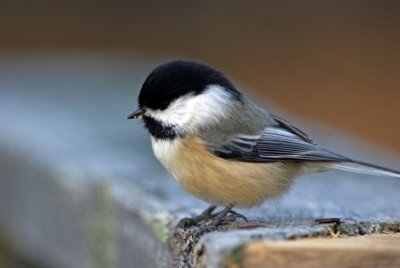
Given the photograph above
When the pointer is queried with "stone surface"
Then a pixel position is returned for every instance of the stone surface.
(79, 186)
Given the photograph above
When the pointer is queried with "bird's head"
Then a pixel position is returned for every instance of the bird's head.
(180, 97)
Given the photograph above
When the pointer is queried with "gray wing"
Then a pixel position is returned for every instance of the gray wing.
(275, 143)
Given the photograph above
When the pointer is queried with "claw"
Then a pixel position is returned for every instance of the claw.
(239, 215)
(216, 219)
(205, 215)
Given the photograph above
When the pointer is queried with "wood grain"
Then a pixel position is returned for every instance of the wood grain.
(363, 251)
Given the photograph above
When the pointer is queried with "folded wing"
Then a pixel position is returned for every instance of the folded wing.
(281, 142)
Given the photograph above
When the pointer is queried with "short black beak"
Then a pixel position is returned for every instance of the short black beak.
(136, 114)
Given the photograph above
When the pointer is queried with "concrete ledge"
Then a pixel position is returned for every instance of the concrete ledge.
(79, 186)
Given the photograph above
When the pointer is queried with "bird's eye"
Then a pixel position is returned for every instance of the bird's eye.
(163, 105)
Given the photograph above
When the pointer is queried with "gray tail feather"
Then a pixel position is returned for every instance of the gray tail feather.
(364, 168)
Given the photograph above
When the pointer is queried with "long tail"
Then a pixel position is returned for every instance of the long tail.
(364, 168)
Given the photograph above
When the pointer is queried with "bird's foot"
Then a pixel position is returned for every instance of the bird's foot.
(205, 215)
(238, 215)
(225, 215)
(217, 219)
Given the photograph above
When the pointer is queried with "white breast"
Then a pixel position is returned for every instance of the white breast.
(165, 151)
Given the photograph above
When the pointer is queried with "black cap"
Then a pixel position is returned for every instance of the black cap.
(174, 79)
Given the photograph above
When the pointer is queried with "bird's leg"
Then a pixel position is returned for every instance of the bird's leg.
(205, 215)
(208, 211)
(217, 219)
(223, 215)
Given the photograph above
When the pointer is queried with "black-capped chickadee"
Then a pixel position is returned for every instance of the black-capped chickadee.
(223, 148)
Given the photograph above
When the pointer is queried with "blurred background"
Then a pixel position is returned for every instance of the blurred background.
(332, 62)
(337, 62)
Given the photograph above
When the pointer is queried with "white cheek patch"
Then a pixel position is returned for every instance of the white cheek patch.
(177, 113)
(195, 111)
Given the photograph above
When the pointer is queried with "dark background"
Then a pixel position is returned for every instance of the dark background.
(336, 62)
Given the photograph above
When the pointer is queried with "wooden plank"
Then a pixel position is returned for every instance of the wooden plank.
(363, 251)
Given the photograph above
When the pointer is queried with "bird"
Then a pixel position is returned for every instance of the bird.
(223, 148)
